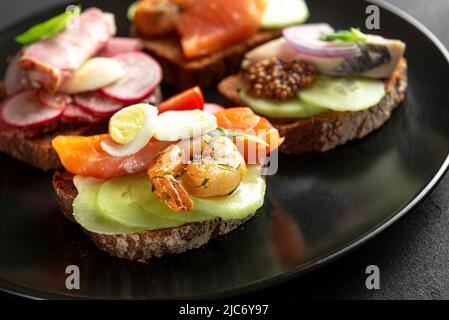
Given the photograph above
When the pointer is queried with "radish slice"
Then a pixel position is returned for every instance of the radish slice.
(97, 104)
(25, 110)
(143, 75)
(57, 101)
(15, 78)
(306, 40)
(74, 113)
(119, 45)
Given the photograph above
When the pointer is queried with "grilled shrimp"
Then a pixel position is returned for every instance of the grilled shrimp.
(208, 166)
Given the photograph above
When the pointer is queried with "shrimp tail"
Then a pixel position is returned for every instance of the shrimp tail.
(173, 194)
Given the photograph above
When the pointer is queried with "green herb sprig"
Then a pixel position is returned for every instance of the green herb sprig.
(132, 10)
(222, 132)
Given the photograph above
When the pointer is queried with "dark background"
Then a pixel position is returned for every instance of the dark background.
(413, 255)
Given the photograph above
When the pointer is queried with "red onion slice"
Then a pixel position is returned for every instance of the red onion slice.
(305, 39)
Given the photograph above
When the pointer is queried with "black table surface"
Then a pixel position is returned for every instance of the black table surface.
(412, 255)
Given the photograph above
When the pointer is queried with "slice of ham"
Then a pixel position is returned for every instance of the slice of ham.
(15, 78)
(119, 45)
(52, 60)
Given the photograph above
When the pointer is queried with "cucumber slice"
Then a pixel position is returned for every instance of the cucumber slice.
(127, 205)
(343, 94)
(244, 201)
(88, 215)
(149, 202)
(282, 13)
(130, 201)
(118, 202)
(293, 108)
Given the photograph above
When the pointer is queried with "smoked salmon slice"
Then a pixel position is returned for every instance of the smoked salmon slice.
(211, 25)
(84, 155)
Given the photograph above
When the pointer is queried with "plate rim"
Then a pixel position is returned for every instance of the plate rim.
(31, 293)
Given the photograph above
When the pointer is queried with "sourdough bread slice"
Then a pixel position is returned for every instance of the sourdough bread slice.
(148, 244)
(326, 131)
(33, 146)
(204, 71)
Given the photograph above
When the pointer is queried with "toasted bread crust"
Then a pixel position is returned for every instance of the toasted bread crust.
(326, 131)
(203, 71)
(34, 146)
(148, 244)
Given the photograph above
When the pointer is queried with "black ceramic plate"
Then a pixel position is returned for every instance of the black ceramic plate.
(317, 207)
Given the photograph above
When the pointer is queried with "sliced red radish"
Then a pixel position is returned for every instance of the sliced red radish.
(25, 110)
(119, 45)
(213, 108)
(74, 113)
(57, 101)
(143, 75)
(97, 104)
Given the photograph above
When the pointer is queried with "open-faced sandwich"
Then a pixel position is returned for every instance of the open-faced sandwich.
(199, 42)
(164, 181)
(321, 88)
(70, 76)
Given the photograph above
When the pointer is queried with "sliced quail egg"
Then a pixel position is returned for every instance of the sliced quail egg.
(131, 129)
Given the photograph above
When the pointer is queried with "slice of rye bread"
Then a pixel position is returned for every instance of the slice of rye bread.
(33, 145)
(147, 244)
(206, 71)
(326, 131)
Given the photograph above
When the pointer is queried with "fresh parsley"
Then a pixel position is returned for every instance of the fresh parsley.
(222, 132)
(227, 167)
(132, 11)
(204, 183)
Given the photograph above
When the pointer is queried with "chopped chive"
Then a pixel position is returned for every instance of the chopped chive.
(204, 183)
(351, 35)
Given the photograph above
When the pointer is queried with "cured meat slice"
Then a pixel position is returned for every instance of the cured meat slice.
(54, 59)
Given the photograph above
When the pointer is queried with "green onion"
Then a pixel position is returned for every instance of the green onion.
(222, 132)
(352, 35)
(48, 28)
(227, 167)
(132, 11)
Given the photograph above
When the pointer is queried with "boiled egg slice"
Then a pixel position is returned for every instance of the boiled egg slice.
(131, 129)
(177, 125)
